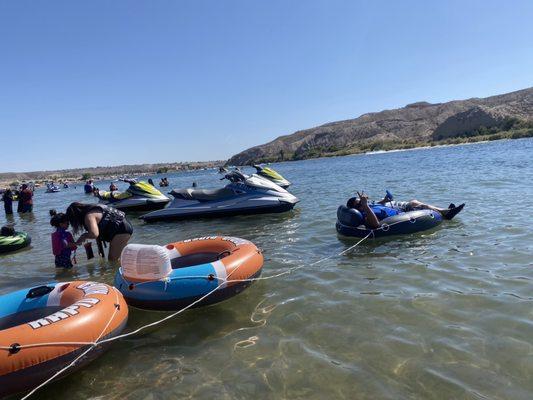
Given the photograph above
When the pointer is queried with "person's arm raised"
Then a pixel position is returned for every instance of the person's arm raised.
(371, 221)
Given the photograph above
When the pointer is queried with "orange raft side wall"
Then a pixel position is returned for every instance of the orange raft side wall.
(91, 311)
(243, 262)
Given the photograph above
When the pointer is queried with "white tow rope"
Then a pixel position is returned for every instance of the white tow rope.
(224, 281)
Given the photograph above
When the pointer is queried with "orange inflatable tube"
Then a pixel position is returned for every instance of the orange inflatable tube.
(196, 272)
(43, 329)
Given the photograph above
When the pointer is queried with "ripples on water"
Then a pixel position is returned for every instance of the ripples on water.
(439, 315)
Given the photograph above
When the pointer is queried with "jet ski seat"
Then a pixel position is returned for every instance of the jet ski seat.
(114, 196)
(203, 194)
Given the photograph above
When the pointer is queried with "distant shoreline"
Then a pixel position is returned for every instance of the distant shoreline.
(378, 147)
(431, 147)
(80, 175)
(114, 173)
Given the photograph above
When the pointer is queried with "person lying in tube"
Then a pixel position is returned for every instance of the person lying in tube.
(375, 212)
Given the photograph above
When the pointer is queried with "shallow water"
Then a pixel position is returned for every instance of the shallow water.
(440, 315)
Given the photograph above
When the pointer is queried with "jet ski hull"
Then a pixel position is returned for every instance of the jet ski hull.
(138, 204)
(173, 214)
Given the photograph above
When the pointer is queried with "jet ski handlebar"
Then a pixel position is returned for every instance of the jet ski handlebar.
(234, 176)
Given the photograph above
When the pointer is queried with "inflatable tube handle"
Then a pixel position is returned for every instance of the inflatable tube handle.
(38, 291)
(225, 253)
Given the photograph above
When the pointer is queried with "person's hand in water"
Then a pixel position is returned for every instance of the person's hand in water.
(81, 239)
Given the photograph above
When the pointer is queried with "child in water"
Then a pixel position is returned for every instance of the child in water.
(62, 240)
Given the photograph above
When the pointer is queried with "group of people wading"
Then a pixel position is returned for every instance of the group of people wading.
(92, 221)
(24, 197)
(108, 225)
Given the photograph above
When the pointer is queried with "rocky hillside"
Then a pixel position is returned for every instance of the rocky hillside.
(415, 124)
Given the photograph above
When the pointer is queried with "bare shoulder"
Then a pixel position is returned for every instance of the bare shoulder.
(94, 215)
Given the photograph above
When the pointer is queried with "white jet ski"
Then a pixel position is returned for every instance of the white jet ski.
(243, 195)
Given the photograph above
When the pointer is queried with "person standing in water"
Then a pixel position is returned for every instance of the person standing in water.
(102, 223)
(7, 197)
(19, 201)
(62, 240)
(26, 196)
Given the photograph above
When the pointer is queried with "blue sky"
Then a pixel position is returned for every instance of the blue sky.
(85, 83)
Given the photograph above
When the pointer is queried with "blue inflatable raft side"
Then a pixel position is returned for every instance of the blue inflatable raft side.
(349, 223)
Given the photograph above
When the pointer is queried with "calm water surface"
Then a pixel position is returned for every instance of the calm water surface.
(441, 315)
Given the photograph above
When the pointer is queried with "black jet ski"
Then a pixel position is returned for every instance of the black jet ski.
(243, 195)
(140, 196)
(272, 175)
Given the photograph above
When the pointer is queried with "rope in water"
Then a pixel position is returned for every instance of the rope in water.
(224, 281)
(80, 356)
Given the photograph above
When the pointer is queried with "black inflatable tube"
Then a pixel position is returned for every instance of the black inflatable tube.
(401, 224)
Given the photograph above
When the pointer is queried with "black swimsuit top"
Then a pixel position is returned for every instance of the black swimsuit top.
(111, 222)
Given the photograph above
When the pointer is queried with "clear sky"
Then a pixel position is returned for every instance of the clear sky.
(86, 83)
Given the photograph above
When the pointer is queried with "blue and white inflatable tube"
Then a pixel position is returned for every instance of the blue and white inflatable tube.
(350, 223)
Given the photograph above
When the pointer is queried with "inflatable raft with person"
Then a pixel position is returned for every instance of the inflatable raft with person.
(14, 242)
(350, 223)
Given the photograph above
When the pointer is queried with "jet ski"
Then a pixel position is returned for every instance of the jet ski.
(272, 175)
(243, 195)
(140, 196)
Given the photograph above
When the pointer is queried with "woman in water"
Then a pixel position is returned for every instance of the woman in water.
(102, 223)
(62, 240)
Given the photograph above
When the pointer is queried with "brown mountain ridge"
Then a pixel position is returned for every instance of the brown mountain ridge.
(508, 115)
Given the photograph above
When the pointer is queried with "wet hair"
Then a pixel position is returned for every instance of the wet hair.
(76, 213)
(352, 202)
(57, 218)
(7, 231)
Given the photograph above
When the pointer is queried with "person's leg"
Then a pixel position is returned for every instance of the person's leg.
(447, 213)
(117, 244)
(424, 206)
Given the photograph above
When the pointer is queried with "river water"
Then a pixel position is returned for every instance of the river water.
(440, 315)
